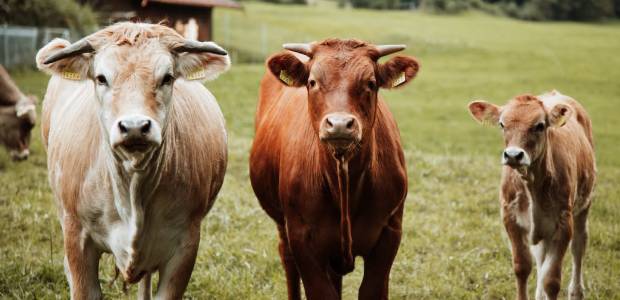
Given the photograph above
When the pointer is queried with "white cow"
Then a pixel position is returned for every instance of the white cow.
(136, 152)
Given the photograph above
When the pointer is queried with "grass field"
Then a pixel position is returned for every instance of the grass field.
(454, 246)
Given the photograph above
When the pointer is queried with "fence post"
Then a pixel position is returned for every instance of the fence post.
(6, 45)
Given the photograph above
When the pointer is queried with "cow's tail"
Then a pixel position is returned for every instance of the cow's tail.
(345, 218)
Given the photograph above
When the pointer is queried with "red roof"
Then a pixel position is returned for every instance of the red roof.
(197, 3)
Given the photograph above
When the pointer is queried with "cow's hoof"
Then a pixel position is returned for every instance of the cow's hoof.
(575, 293)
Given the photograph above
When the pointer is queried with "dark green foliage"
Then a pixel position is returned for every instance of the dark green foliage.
(445, 6)
(578, 10)
(50, 13)
(377, 4)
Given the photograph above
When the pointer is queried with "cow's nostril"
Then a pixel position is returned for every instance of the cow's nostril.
(146, 127)
(329, 123)
(350, 124)
(519, 156)
(122, 127)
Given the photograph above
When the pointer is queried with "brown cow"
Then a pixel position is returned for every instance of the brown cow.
(327, 163)
(17, 117)
(548, 177)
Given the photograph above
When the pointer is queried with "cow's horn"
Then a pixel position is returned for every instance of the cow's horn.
(192, 46)
(305, 49)
(79, 47)
(389, 49)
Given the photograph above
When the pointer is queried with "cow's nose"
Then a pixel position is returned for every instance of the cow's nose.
(134, 127)
(515, 156)
(340, 126)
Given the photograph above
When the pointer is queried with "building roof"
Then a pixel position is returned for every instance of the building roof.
(196, 3)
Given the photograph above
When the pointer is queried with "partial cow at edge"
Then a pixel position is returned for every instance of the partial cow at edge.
(547, 181)
(136, 152)
(18, 116)
(327, 164)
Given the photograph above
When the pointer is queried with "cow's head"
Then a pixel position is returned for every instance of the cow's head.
(342, 78)
(133, 68)
(525, 122)
(16, 123)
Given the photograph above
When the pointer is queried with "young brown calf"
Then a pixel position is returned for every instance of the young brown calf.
(548, 177)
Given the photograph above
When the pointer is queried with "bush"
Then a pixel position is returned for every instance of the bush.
(578, 10)
(49, 13)
(445, 6)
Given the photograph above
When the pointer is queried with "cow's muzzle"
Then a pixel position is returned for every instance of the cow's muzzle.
(340, 130)
(136, 134)
(516, 158)
(19, 155)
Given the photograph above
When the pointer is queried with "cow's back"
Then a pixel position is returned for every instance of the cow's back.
(573, 148)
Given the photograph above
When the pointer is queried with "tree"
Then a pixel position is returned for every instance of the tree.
(50, 13)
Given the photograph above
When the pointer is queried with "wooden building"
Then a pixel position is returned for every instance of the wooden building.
(177, 13)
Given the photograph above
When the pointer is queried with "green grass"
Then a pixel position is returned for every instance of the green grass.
(454, 246)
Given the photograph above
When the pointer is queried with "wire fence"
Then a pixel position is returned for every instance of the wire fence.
(19, 44)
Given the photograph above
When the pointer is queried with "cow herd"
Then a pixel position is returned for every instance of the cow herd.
(137, 153)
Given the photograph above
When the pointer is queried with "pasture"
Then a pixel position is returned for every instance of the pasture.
(454, 245)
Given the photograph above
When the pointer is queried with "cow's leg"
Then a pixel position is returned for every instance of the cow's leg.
(538, 250)
(521, 257)
(288, 262)
(81, 262)
(144, 288)
(378, 263)
(175, 274)
(550, 273)
(313, 270)
(336, 282)
(578, 249)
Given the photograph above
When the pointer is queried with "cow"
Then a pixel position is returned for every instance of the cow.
(327, 164)
(547, 181)
(18, 116)
(136, 152)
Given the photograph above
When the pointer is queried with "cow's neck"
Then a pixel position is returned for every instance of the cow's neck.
(133, 183)
(345, 177)
(357, 166)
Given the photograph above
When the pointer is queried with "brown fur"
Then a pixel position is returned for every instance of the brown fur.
(17, 117)
(297, 180)
(556, 188)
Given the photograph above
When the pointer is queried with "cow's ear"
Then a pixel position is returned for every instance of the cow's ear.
(73, 67)
(559, 114)
(195, 65)
(397, 71)
(288, 69)
(26, 109)
(484, 112)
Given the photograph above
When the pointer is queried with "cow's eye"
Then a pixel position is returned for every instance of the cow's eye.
(101, 80)
(312, 83)
(168, 78)
(372, 85)
(539, 127)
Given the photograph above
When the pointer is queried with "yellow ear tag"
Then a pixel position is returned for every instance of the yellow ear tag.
(199, 73)
(286, 78)
(71, 75)
(399, 80)
(561, 121)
